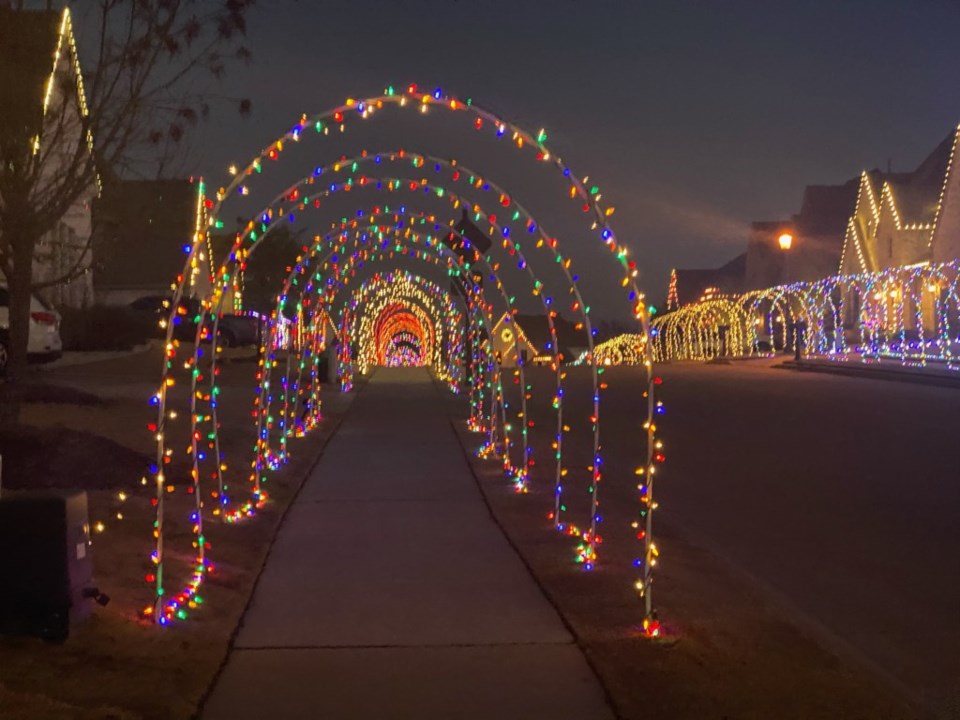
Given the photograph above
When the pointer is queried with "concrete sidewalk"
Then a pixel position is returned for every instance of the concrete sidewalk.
(391, 593)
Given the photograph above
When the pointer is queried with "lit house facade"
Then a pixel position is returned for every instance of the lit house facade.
(906, 218)
(41, 89)
(508, 338)
(531, 334)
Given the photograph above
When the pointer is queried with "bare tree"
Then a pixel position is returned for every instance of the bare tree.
(65, 133)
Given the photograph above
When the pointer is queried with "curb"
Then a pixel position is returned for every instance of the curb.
(77, 359)
(874, 372)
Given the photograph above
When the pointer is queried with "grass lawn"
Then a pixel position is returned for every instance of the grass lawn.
(116, 665)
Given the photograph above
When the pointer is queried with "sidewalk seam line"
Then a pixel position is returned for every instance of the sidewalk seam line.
(205, 697)
(607, 696)
(424, 646)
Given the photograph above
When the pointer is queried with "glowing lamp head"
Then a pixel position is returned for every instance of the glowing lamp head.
(785, 241)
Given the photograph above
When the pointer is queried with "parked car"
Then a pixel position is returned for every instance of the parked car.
(239, 330)
(43, 343)
(233, 330)
(158, 307)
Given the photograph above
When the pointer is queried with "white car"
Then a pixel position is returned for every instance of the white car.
(44, 343)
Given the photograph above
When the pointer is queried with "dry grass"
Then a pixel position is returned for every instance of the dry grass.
(116, 665)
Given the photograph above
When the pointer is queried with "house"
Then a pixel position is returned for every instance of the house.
(143, 229)
(873, 223)
(905, 218)
(806, 247)
(508, 338)
(571, 336)
(533, 332)
(43, 108)
(691, 285)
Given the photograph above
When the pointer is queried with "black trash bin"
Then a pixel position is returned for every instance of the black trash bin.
(46, 569)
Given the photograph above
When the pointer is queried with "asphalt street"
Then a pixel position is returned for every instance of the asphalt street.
(841, 494)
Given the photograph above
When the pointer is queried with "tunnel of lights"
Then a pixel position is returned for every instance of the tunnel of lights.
(402, 307)
(625, 349)
(905, 315)
(348, 300)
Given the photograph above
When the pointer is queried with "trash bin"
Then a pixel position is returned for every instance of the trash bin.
(46, 568)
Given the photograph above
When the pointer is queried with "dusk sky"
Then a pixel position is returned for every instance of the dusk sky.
(695, 118)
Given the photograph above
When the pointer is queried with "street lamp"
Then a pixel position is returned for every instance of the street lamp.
(785, 241)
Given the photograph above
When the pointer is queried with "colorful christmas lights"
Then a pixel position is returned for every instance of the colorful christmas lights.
(901, 314)
(387, 325)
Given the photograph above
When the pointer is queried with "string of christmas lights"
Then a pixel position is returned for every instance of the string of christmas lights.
(225, 279)
(347, 270)
(901, 314)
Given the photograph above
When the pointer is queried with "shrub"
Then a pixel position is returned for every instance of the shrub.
(103, 327)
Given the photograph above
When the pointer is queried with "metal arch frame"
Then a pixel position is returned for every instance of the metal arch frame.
(591, 204)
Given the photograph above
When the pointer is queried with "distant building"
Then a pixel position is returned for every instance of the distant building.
(816, 238)
(906, 218)
(509, 339)
(40, 70)
(571, 336)
(533, 333)
(876, 221)
(143, 229)
(691, 285)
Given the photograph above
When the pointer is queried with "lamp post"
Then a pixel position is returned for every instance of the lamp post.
(785, 243)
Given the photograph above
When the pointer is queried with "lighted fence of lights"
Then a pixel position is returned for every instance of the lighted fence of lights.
(909, 315)
(624, 349)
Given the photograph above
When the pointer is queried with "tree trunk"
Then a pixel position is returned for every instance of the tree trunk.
(22, 245)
